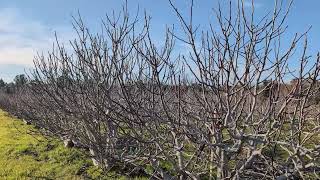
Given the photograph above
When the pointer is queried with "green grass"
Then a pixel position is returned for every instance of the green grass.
(32, 156)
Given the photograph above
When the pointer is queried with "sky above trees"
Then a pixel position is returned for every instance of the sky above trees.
(27, 27)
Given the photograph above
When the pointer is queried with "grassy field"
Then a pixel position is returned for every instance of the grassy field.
(26, 155)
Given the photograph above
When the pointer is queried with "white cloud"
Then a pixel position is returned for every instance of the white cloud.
(21, 38)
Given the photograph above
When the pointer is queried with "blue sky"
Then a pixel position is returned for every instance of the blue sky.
(27, 27)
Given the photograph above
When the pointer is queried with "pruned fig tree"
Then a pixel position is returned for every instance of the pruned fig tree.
(224, 109)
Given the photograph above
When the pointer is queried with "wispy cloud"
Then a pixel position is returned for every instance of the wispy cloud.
(248, 3)
(21, 38)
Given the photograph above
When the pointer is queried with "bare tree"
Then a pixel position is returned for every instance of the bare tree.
(230, 66)
(223, 110)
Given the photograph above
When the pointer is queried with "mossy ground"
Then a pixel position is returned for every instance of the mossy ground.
(26, 155)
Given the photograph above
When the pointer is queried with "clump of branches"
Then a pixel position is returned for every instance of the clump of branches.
(223, 110)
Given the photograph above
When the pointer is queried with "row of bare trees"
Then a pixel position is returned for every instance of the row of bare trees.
(222, 110)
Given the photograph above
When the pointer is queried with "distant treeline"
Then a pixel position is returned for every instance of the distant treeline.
(19, 81)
